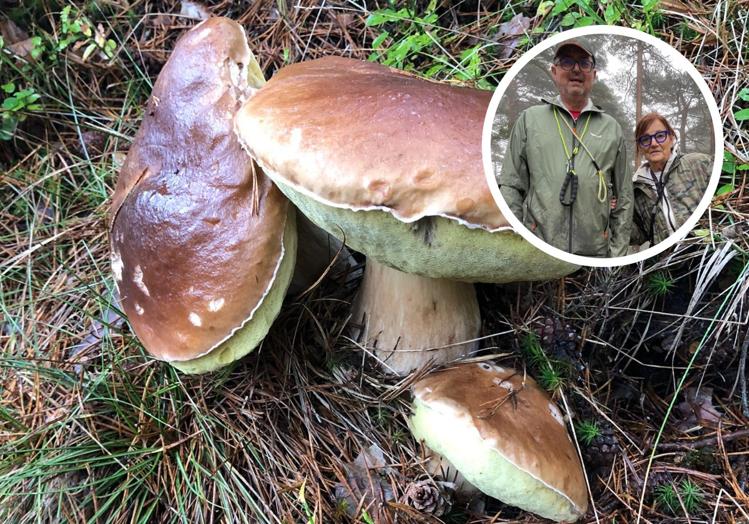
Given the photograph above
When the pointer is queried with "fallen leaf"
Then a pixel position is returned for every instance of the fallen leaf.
(736, 231)
(510, 33)
(11, 33)
(23, 48)
(366, 484)
(697, 409)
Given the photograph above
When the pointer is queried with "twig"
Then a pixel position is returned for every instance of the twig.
(742, 375)
(709, 441)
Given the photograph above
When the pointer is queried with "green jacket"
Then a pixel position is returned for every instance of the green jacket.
(534, 170)
(686, 181)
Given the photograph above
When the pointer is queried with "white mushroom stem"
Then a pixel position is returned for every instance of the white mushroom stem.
(408, 320)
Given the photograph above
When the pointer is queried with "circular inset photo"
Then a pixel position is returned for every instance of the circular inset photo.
(600, 146)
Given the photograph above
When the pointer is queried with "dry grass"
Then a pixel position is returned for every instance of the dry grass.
(93, 430)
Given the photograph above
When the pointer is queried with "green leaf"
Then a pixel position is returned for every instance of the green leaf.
(36, 47)
(561, 6)
(12, 104)
(470, 59)
(109, 48)
(729, 163)
(380, 39)
(434, 70)
(385, 15)
(742, 115)
(744, 94)
(429, 20)
(585, 21)
(27, 93)
(612, 14)
(64, 16)
(701, 233)
(649, 5)
(8, 127)
(485, 85)
(87, 52)
(724, 189)
(570, 19)
(544, 8)
(9, 87)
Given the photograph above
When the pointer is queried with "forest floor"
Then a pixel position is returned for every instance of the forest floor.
(93, 430)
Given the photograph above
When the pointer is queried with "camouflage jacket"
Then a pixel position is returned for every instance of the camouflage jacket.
(535, 167)
(685, 183)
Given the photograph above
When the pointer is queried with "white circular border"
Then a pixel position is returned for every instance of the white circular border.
(516, 222)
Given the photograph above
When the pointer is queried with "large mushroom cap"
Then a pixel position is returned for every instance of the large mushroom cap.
(504, 434)
(201, 244)
(392, 163)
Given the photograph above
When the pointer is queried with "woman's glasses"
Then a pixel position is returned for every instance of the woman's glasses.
(568, 64)
(646, 140)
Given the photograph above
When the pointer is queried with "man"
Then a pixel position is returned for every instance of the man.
(565, 170)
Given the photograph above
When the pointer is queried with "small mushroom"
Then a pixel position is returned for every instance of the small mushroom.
(202, 243)
(504, 435)
(391, 164)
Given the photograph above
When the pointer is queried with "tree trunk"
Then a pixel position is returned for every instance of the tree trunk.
(638, 96)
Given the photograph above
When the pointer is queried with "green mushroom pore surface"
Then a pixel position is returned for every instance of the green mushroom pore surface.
(435, 246)
(483, 465)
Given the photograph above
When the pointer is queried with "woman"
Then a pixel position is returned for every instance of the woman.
(668, 185)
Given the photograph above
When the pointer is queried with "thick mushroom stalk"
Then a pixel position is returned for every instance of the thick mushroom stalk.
(409, 320)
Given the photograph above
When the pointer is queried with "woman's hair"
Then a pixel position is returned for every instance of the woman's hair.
(648, 119)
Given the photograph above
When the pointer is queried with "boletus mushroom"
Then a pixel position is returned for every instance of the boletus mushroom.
(506, 437)
(202, 243)
(391, 164)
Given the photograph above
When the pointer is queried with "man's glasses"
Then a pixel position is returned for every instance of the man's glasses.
(646, 140)
(568, 64)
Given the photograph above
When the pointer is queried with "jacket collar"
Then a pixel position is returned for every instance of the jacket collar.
(557, 101)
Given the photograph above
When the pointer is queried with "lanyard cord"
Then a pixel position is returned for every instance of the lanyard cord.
(602, 193)
(660, 187)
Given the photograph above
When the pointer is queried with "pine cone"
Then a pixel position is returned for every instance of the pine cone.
(428, 496)
(604, 447)
(560, 342)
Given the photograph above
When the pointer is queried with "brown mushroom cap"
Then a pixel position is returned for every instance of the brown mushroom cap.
(197, 230)
(504, 434)
(363, 136)
(392, 164)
